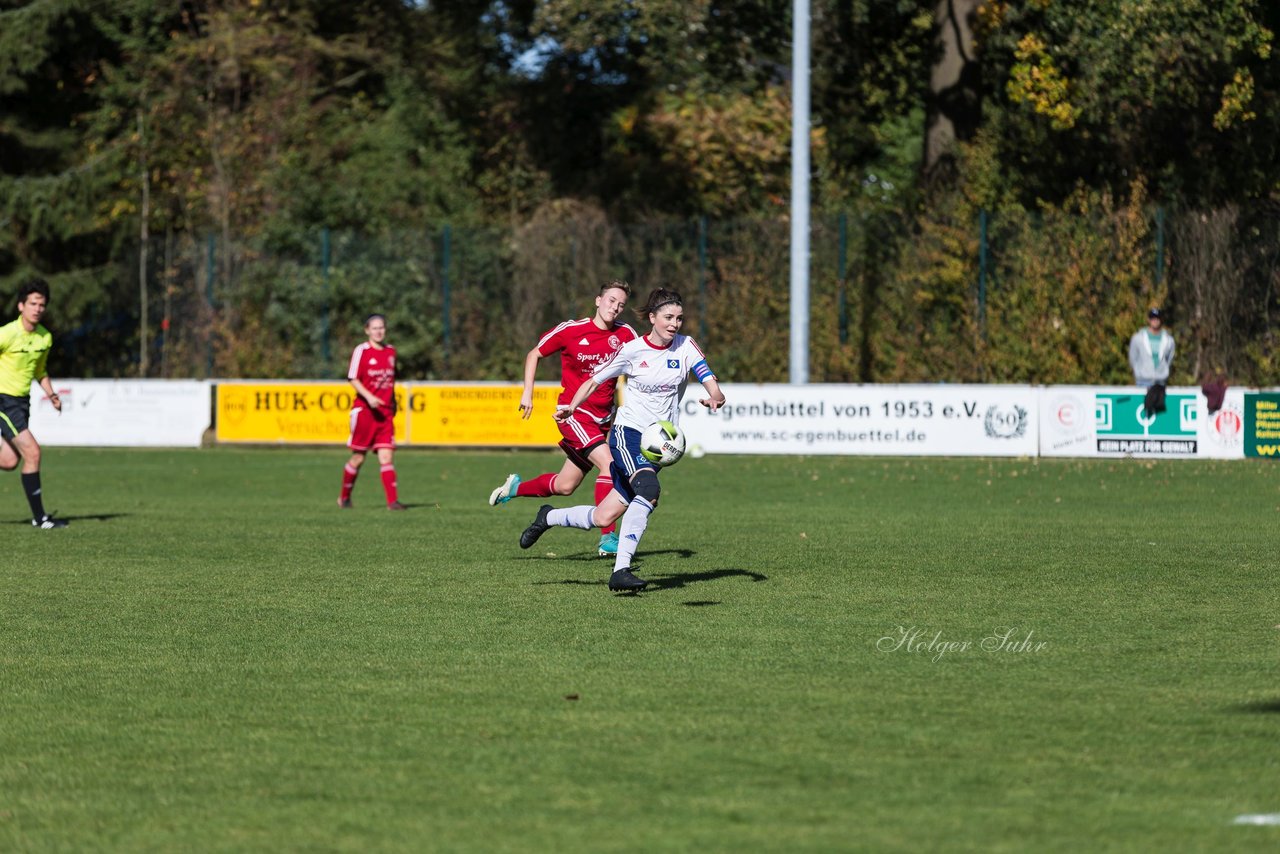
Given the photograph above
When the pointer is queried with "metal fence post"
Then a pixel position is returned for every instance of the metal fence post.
(1159, 245)
(446, 262)
(210, 271)
(982, 272)
(325, 250)
(842, 264)
(702, 278)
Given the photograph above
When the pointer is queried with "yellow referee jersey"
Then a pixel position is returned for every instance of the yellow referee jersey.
(23, 356)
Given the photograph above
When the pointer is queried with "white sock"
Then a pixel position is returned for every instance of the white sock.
(630, 530)
(572, 517)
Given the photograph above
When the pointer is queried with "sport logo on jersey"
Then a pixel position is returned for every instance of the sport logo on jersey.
(614, 343)
(673, 363)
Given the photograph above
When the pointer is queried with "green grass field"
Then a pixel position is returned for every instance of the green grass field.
(214, 658)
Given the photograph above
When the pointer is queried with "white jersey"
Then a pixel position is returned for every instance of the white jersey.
(656, 377)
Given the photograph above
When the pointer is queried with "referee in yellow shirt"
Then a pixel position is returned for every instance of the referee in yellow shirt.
(24, 352)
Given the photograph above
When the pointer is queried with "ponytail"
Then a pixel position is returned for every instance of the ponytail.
(658, 298)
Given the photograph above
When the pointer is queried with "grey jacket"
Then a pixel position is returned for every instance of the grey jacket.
(1140, 357)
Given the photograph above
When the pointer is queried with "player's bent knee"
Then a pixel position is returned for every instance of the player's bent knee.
(646, 486)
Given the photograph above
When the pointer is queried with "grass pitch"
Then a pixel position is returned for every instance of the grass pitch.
(836, 654)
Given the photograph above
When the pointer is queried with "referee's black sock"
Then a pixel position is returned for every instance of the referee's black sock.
(31, 483)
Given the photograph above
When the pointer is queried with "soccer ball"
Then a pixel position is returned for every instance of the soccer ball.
(662, 443)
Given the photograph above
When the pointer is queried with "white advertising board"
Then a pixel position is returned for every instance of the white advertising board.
(1222, 432)
(899, 420)
(1093, 421)
(123, 413)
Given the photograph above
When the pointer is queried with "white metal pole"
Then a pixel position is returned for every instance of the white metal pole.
(800, 193)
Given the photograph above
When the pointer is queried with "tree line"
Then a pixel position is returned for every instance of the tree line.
(1016, 181)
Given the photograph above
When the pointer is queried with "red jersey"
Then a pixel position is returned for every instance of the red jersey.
(376, 371)
(584, 347)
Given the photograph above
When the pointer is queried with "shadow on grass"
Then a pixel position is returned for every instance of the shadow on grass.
(1259, 707)
(593, 556)
(84, 517)
(670, 581)
(675, 581)
(576, 582)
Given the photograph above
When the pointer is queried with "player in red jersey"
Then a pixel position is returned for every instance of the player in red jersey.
(373, 375)
(584, 345)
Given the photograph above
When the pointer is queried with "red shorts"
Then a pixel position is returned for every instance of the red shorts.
(582, 435)
(371, 430)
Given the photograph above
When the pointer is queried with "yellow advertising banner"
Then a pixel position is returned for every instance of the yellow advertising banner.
(301, 413)
(481, 416)
(317, 413)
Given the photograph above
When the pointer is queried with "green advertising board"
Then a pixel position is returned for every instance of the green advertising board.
(1125, 427)
(1262, 424)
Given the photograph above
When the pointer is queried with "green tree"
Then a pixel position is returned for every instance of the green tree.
(257, 122)
(1182, 92)
(59, 216)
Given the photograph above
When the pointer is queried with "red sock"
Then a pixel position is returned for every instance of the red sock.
(348, 481)
(539, 487)
(604, 485)
(389, 483)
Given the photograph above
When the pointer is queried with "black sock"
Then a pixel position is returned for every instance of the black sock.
(31, 483)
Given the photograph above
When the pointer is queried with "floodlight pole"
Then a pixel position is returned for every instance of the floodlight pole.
(800, 192)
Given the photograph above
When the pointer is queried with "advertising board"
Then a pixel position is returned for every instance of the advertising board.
(290, 412)
(1093, 421)
(122, 413)
(908, 420)
(461, 414)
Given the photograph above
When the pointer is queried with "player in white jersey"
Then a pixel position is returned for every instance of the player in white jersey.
(657, 367)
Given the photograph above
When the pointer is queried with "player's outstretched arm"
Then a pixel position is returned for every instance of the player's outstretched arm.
(584, 391)
(717, 396)
(530, 372)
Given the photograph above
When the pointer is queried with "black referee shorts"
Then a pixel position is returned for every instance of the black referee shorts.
(15, 413)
